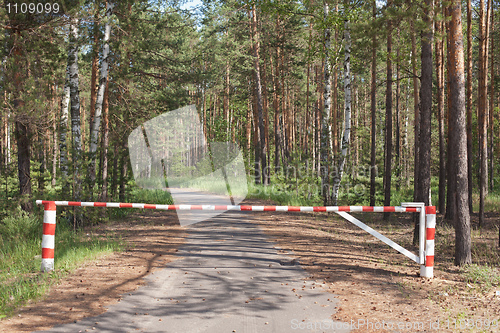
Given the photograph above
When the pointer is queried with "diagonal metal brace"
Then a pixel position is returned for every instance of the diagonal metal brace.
(381, 237)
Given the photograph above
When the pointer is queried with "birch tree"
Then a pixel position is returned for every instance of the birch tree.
(325, 116)
(262, 144)
(63, 131)
(75, 114)
(347, 112)
(94, 133)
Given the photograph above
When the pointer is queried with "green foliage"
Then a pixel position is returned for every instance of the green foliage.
(19, 225)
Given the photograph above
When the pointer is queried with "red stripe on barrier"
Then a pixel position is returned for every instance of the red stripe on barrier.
(319, 209)
(429, 261)
(99, 204)
(148, 206)
(49, 228)
(430, 210)
(220, 207)
(431, 233)
(344, 208)
(367, 209)
(293, 208)
(47, 253)
(49, 205)
(269, 208)
(389, 209)
(173, 207)
(245, 207)
(125, 205)
(74, 203)
(411, 210)
(196, 207)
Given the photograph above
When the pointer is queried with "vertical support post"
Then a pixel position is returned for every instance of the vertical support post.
(428, 270)
(421, 236)
(48, 237)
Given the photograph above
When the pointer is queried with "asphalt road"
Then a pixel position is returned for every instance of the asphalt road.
(229, 278)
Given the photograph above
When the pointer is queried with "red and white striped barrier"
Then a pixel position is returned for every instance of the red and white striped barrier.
(427, 270)
(48, 237)
(425, 257)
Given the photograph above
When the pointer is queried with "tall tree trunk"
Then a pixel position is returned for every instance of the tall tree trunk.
(75, 117)
(262, 145)
(63, 130)
(105, 144)
(441, 116)
(491, 144)
(347, 112)
(54, 147)
(308, 123)
(373, 107)
(94, 133)
(458, 136)
(388, 120)
(416, 103)
(451, 207)
(22, 131)
(114, 177)
(483, 106)
(424, 158)
(123, 173)
(23, 138)
(95, 65)
(325, 117)
(398, 120)
(469, 102)
(256, 138)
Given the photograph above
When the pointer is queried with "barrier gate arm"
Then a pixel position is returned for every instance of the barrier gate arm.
(427, 223)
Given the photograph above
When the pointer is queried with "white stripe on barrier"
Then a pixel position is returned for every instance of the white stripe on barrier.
(378, 235)
(49, 216)
(47, 265)
(48, 241)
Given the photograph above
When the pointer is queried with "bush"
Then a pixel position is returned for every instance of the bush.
(20, 225)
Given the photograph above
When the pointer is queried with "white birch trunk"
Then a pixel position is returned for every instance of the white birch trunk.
(347, 112)
(325, 118)
(94, 133)
(63, 125)
(75, 110)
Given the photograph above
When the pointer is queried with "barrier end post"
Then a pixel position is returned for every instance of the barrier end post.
(48, 237)
(427, 270)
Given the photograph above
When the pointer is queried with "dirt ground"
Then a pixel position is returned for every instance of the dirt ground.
(379, 289)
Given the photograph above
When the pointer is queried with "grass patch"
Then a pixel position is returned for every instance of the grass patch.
(20, 246)
(485, 277)
(491, 202)
(282, 195)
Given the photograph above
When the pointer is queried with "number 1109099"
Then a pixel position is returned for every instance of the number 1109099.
(32, 8)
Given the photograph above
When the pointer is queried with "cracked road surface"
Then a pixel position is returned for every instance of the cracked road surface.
(229, 277)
